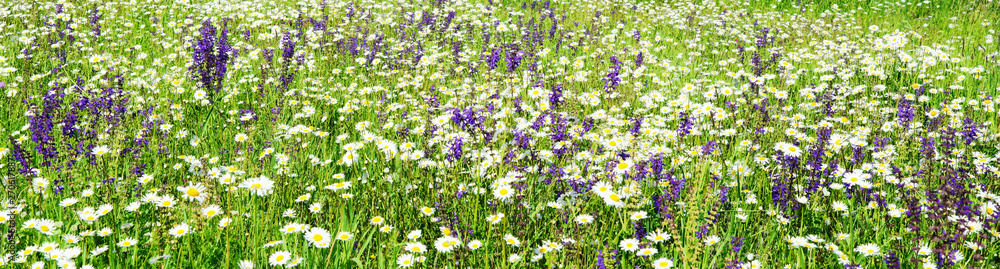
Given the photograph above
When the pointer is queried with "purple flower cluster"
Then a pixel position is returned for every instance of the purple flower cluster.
(611, 80)
(211, 56)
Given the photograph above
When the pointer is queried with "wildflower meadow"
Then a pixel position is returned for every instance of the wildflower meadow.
(499, 134)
